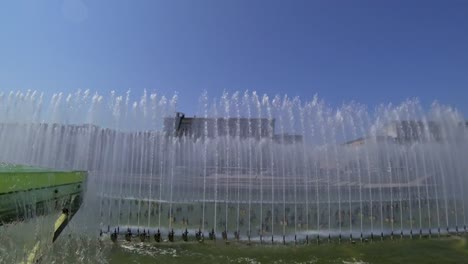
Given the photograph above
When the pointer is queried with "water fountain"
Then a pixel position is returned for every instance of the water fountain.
(249, 167)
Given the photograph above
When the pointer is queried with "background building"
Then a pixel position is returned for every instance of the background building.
(236, 127)
(413, 130)
(199, 127)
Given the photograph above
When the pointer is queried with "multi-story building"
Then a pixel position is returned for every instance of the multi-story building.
(199, 127)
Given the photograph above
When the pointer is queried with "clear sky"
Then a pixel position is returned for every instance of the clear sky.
(368, 51)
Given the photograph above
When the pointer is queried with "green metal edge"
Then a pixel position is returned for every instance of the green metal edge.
(23, 181)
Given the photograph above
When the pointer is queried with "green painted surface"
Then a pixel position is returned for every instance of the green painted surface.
(27, 191)
(17, 204)
(9, 167)
(14, 178)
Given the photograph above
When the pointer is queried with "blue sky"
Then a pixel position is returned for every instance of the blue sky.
(368, 51)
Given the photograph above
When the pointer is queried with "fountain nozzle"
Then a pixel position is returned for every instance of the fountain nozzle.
(185, 235)
(143, 236)
(157, 236)
(170, 236)
(212, 234)
(224, 235)
(198, 235)
(237, 235)
(128, 235)
(114, 236)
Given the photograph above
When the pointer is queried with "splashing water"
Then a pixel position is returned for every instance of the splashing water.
(251, 166)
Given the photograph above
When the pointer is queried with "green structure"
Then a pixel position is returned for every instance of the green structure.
(26, 192)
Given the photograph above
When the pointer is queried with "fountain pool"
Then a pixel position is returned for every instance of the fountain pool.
(248, 167)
